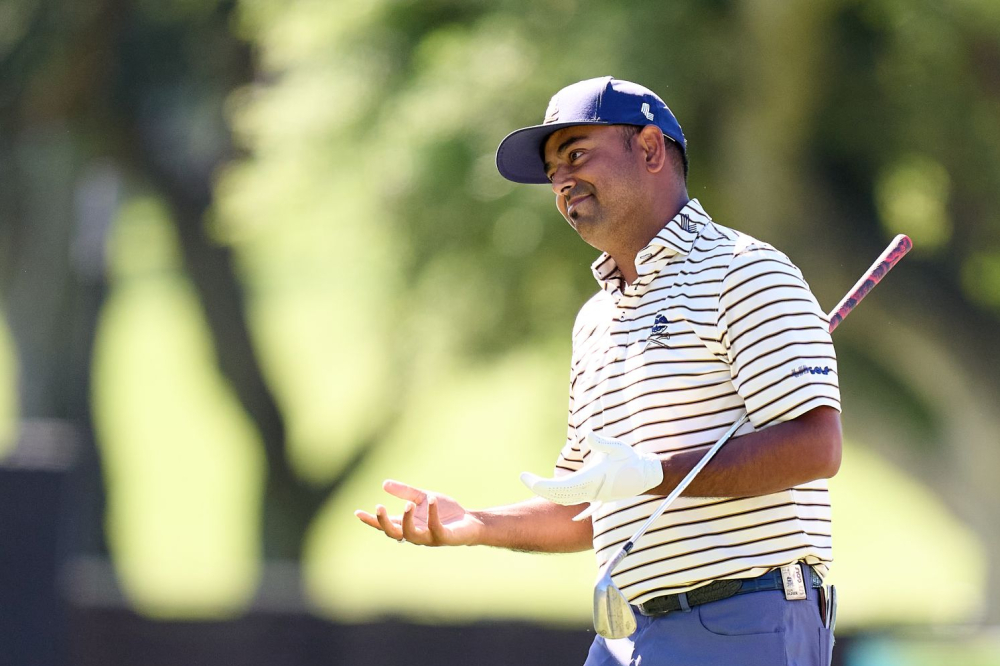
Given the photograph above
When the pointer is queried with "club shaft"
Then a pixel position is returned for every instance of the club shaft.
(900, 245)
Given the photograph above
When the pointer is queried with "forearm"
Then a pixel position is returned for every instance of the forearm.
(762, 462)
(535, 525)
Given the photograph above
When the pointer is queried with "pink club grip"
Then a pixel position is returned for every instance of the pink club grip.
(900, 245)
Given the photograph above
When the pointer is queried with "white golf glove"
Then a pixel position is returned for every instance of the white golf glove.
(615, 471)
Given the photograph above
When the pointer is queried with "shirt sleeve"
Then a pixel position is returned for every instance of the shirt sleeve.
(777, 338)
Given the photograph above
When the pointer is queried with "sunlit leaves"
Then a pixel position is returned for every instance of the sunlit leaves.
(981, 278)
(8, 391)
(182, 461)
(143, 243)
(912, 196)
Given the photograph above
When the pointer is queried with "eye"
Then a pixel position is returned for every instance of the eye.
(573, 155)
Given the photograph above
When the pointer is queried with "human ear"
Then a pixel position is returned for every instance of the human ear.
(654, 150)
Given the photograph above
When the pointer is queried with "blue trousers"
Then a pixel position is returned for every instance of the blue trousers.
(755, 629)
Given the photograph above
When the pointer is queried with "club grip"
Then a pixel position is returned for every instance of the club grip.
(900, 245)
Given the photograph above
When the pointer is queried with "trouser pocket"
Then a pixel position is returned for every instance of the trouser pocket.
(826, 641)
(828, 615)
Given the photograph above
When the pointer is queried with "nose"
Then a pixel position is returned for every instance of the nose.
(562, 181)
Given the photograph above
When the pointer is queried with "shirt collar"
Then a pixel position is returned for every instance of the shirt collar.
(676, 237)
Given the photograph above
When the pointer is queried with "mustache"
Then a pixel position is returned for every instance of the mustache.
(576, 192)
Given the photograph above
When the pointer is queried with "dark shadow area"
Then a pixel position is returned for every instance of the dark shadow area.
(118, 637)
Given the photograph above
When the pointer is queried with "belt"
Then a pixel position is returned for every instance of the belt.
(721, 589)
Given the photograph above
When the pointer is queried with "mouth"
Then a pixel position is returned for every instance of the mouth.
(574, 202)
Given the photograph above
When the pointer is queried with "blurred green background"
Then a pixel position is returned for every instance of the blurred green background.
(258, 252)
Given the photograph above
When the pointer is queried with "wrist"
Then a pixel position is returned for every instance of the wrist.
(479, 529)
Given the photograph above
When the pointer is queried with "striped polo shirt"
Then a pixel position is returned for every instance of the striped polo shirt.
(716, 322)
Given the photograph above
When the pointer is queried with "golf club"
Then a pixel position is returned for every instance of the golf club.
(613, 616)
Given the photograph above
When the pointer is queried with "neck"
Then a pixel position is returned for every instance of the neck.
(625, 255)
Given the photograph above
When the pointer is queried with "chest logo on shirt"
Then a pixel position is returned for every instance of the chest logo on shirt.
(659, 333)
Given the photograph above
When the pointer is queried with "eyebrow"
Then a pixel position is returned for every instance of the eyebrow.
(563, 146)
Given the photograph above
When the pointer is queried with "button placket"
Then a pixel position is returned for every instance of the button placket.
(620, 325)
(629, 302)
(617, 353)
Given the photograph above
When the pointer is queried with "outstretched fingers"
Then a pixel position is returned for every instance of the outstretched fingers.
(411, 532)
(404, 491)
(391, 526)
(420, 522)
(367, 519)
(434, 525)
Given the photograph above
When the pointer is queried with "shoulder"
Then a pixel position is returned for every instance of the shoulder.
(746, 256)
(720, 252)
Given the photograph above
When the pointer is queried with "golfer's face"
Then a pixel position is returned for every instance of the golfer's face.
(590, 170)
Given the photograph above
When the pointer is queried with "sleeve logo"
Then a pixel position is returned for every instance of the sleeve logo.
(811, 370)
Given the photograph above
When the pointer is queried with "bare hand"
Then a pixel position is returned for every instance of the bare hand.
(428, 519)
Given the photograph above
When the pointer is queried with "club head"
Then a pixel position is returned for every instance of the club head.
(613, 616)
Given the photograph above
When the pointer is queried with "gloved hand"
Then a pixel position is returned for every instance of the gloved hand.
(615, 471)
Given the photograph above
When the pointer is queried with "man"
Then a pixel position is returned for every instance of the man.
(694, 323)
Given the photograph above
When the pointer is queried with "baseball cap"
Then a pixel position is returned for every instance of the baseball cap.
(602, 101)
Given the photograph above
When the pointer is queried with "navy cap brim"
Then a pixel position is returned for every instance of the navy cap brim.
(519, 156)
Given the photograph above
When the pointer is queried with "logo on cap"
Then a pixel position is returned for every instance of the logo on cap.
(552, 113)
(646, 112)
